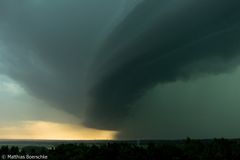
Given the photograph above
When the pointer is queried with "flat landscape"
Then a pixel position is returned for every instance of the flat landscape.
(187, 149)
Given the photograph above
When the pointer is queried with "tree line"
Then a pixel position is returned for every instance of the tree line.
(217, 149)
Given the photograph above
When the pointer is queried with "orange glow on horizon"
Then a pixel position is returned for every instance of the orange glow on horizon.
(53, 131)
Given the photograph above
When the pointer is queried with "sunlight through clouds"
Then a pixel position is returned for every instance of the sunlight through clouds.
(51, 130)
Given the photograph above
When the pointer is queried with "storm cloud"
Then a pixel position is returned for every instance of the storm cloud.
(96, 59)
(48, 46)
(161, 42)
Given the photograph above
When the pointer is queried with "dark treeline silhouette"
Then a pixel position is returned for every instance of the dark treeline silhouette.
(217, 149)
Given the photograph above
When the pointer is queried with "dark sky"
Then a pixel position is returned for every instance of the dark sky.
(147, 69)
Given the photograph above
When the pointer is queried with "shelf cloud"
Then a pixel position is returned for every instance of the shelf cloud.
(97, 59)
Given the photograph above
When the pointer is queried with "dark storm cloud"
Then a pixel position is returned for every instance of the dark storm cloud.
(61, 51)
(49, 45)
(159, 42)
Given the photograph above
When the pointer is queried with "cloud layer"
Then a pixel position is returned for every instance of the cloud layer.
(161, 42)
(95, 59)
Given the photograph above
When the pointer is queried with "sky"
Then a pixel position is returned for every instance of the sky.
(140, 69)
